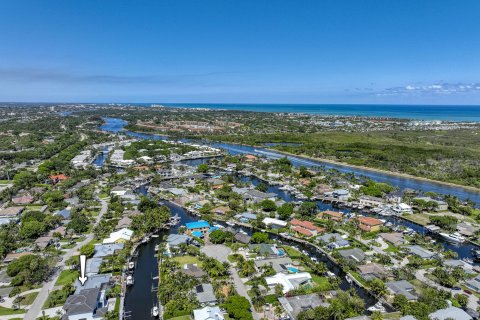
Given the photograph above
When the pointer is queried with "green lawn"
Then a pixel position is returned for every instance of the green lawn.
(185, 317)
(67, 277)
(29, 298)
(5, 182)
(34, 207)
(56, 298)
(292, 253)
(321, 282)
(6, 311)
(188, 260)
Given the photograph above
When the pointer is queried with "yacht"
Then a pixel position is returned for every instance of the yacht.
(454, 237)
(130, 280)
(230, 223)
(131, 265)
(155, 312)
(377, 307)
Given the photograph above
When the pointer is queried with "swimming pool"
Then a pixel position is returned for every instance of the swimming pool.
(292, 269)
(281, 252)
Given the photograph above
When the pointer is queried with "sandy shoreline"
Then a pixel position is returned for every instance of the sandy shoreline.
(395, 174)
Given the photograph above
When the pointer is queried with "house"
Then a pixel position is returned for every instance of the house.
(193, 270)
(104, 250)
(370, 202)
(274, 223)
(331, 215)
(266, 250)
(22, 200)
(205, 294)
(402, 287)
(369, 224)
(246, 217)
(125, 222)
(401, 208)
(420, 251)
(255, 196)
(197, 228)
(88, 304)
(394, 197)
(95, 281)
(280, 264)
(120, 236)
(296, 304)
(395, 238)
(208, 313)
(341, 194)
(333, 240)
(239, 236)
(440, 205)
(221, 210)
(15, 255)
(305, 228)
(64, 213)
(174, 240)
(58, 178)
(289, 282)
(61, 230)
(473, 284)
(11, 212)
(450, 313)
(43, 242)
(354, 254)
(371, 271)
(92, 266)
(118, 191)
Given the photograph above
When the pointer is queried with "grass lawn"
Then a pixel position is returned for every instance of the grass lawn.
(6, 311)
(34, 207)
(391, 248)
(56, 298)
(185, 317)
(292, 253)
(419, 218)
(103, 195)
(29, 298)
(188, 260)
(66, 277)
(321, 282)
(5, 182)
(271, 298)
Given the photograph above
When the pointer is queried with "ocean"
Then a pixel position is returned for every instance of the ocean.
(417, 112)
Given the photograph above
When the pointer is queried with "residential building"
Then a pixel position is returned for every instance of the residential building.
(371, 202)
(296, 304)
(289, 282)
(197, 228)
(120, 236)
(401, 208)
(369, 224)
(279, 264)
(352, 254)
(274, 223)
(11, 212)
(450, 313)
(88, 304)
(208, 313)
(104, 250)
(402, 287)
(205, 294)
(174, 240)
(371, 271)
(331, 215)
(420, 251)
(305, 228)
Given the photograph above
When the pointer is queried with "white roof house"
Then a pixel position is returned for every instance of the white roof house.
(208, 313)
(288, 281)
(276, 222)
(121, 235)
(450, 313)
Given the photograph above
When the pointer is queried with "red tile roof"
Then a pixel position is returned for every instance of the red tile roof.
(304, 224)
(303, 231)
(369, 221)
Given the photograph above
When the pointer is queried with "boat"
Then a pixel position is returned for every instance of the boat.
(157, 247)
(454, 237)
(155, 235)
(131, 265)
(377, 307)
(130, 280)
(155, 312)
(349, 280)
(230, 223)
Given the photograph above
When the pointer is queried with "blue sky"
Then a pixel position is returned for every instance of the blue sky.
(395, 51)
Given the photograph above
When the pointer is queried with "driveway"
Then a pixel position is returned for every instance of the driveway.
(35, 309)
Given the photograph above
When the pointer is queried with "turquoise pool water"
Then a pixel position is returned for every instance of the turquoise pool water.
(292, 269)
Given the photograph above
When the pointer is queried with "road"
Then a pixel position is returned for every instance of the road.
(36, 308)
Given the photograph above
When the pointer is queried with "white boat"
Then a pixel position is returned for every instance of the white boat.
(155, 312)
(129, 280)
(377, 307)
(454, 237)
(230, 223)
(349, 280)
(157, 247)
(131, 265)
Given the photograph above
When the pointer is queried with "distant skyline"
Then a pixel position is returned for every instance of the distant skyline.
(250, 51)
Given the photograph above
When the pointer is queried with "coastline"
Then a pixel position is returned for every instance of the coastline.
(395, 174)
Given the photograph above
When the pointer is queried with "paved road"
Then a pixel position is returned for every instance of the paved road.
(35, 310)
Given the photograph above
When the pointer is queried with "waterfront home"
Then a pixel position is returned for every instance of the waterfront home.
(473, 284)
(95, 281)
(221, 210)
(340, 194)
(420, 251)
(289, 282)
(246, 217)
(175, 240)
(208, 313)
(200, 227)
(266, 250)
(274, 223)
(354, 254)
(279, 264)
(87, 304)
(371, 271)
(401, 208)
(440, 204)
(331, 215)
(395, 238)
(369, 224)
(104, 250)
(296, 304)
(450, 313)
(305, 228)
(466, 229)
(215, 183)
(402, 287)
(333, 241)
(370, 202)
(241, 237)
(120, 236)
(394, 197)
(125, 222)
(255, 196)
(205, 294)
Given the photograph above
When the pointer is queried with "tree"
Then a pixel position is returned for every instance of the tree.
(262, 186)
(259, 237)
(285, 211)
(79, 222)
(462, 299)
(400, 302)
(24, 179)
(307, 209)
(217, 236)
(378, 287)
(238, 308)
(30, 269)
(202, 168)
(88, 250)
(268, 205)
